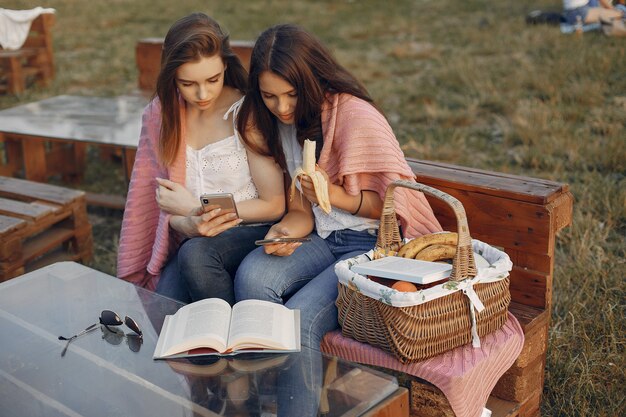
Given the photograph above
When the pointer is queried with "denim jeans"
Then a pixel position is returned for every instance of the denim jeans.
(305, 280)
(204, 267)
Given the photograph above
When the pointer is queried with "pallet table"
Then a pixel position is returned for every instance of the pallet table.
(49, 137)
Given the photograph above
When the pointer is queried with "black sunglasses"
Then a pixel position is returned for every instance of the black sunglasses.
(107, 318)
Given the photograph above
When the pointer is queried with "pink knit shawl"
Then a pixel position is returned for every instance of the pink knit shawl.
(361, 153)
(146, 239)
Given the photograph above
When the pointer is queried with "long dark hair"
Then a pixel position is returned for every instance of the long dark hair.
(303, 61)
(189, 39)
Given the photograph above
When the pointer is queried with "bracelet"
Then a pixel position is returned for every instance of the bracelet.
(360, 204)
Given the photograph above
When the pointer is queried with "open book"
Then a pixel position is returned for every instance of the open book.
(212, 327)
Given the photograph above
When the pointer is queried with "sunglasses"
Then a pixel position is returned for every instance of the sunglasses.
(107, 318)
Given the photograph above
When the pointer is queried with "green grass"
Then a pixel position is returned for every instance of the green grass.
(461, 82)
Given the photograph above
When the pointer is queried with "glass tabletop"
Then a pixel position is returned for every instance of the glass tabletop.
(101, 120)
(107, 373)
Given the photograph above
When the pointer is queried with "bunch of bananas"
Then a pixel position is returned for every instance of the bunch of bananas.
(432, 247)
(319, 181)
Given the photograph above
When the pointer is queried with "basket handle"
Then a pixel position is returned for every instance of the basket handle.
(463, 264)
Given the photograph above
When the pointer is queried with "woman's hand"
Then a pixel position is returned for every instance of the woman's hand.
(200, 223)
(308, 189)
(174, 198)
(280, 249)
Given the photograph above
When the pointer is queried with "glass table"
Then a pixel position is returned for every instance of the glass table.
(108, 373)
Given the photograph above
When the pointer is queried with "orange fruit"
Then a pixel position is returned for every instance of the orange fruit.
(404, 286)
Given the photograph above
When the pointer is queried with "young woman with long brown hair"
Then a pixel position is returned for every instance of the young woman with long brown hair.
(189, 146)
(298, 91)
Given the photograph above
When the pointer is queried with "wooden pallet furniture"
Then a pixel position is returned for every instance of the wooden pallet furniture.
(522, 216)
(33, 61)
(50, 137)
(41, 224)
(148, 59)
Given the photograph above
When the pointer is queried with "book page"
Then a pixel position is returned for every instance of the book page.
(257, 323)
(204, 323)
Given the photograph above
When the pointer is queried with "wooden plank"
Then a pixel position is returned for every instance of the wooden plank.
(18, 209)
(9, 225)
(499, 221)
(515, 187)
(396, 405)
(35, 168)
(116, 202)
(30, 190)
(530, 287)
(529, 317)
(45, 242)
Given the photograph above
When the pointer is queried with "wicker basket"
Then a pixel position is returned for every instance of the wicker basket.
(417, 332)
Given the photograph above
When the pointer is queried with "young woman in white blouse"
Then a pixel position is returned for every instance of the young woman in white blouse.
(189, 146)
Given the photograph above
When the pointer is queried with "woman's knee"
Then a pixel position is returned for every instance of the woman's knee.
(196, 252)
(250, 282)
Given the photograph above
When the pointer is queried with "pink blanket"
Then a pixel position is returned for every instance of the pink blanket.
(465, 375)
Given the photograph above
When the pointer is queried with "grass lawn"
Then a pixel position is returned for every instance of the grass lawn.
(467, 83)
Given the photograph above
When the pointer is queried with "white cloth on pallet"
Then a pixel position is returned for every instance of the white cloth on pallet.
(15, 25)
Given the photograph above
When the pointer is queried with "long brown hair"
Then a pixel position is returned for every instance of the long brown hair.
(189, 39)
(303, 61)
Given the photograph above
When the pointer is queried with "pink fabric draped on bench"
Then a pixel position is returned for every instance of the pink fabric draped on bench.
(465, 375)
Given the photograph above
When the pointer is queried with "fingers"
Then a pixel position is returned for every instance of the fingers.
(282, 249)
(166, 183)
(216, 221)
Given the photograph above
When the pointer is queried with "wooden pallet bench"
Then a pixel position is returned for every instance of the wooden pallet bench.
(33, 61)
(522, 216)
(41, 224)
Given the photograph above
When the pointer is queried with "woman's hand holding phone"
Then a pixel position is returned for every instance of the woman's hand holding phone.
(280, 248)
(212, 222)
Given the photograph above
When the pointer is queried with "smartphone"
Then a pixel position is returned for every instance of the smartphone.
(226, 201)
(282, 240)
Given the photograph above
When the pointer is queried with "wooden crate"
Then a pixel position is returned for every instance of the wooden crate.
(33, 61)
(41, 224)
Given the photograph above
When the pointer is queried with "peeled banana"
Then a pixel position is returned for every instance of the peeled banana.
(318, 179)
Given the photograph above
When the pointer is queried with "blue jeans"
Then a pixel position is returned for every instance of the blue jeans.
(571, 14)
(204, 267)
(305, 280)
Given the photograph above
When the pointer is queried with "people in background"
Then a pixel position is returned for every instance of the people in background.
(189, 145)
(590, 11)
(298, 91)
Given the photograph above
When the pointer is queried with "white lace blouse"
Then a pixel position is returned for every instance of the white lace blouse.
(221, 167)
(337, 219)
